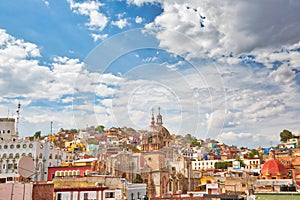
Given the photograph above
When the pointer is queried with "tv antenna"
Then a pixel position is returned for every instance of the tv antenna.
(18, 117)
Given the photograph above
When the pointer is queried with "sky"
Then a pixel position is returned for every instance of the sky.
(227, 70)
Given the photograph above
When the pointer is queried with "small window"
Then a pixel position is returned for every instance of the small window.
(23, 154)
(59, 196)
(132, 196)
(30, 145)
(50, 156)
(4, 155)
(8, 131)
(11, 155)
(30, 154)
(5, 146)
(12, 146)
(3, 131)
(18, 146)
(24, 146)
(17, 155)
(85, 196)
(109, 195)
(41, 156)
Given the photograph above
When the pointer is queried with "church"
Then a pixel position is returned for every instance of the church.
(158, 137)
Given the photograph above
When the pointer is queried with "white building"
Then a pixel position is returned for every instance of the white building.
(12, 149)
(204, 164)
(252, 163)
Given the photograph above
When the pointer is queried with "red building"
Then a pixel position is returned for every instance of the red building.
(79, 171)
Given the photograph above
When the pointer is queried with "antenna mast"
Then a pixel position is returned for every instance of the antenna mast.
(18, 117)
(51, 126)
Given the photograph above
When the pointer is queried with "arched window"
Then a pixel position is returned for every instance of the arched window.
(23, 154)
(17, 155)
(11, 155)
(30, 154)
(4, 156)
(132, 196)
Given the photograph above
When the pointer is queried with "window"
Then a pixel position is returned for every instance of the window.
(23, 154)
(12, 146)
(132, 196)
(109, 195)
(30, 145)
(30, 154)
(5, 146)
(24, 146)
(85, 196)
(0, 146)
(41, 156)
(8, 131)
(9, 178)
(50, 156)
(10, 166)
(17, 155)
(18, 146)
(59, 196)
(3, 131)
(11, 155)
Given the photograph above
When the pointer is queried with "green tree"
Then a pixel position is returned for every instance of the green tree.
(253, 153)
(223, 165)
(73, 130)
(138, 179)
(195, 143)
(100, 129)
(188, 138)
(285, 135)
(37, 134)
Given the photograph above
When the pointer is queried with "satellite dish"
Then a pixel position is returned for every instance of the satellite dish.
(26, 166)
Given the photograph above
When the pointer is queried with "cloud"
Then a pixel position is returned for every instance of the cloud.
(97, 37)
(138, 20)
(228, 27)
(283, 74)
(246, 139)
(97, 20)
(120, 23)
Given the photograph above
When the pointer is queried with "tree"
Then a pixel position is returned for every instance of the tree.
(285, 135)
(37, 134)
(138, 179)
(223, 165)
(188, 138)
(195, 143)
(100, 129)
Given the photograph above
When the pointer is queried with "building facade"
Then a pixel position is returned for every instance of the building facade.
(12, 149)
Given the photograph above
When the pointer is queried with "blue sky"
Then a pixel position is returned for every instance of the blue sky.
(222, 69)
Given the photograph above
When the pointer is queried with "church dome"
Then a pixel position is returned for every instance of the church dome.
(273, 168)
(163, 131)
